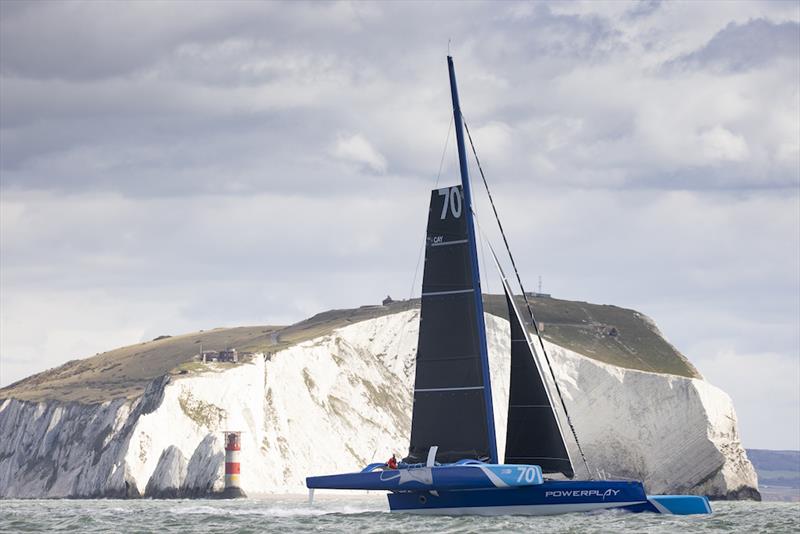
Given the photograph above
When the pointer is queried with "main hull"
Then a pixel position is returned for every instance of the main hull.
(464, 476)
(550, 498)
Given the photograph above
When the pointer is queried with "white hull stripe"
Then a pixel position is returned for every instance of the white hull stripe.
(660, 507)
(523, 509)
(456, 292)
(429, 390)
(496, 480)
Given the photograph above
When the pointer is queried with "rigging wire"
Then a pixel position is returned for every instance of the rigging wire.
(481, 237)
(507, 288)
(424, 238)
(483, 257)
(435, 185)
(525, 297)
(444, 152)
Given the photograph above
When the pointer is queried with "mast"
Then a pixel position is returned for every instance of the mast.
(473, 253)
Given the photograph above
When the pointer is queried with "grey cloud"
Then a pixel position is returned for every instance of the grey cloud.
(217, 72)
(97, 40)
(643, 8)
(559, 36)
(255, 103)
(741, 47)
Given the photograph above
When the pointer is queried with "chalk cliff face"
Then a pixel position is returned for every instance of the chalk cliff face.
(677, 434)
(336, 402)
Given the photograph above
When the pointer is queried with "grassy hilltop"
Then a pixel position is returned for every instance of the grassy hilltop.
(606, 333)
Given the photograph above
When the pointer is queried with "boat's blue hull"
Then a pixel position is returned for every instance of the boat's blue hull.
(552, 497)
(473, 475)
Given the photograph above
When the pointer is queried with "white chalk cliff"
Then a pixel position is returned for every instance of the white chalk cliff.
(336, 402)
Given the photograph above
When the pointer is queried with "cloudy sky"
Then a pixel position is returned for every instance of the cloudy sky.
(170, 167)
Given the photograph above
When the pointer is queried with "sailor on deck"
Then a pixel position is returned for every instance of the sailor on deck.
(392, 463)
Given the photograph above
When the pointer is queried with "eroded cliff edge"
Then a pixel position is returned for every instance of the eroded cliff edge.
(331, 394)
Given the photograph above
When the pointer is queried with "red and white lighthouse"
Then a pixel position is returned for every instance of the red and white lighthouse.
(233, 446)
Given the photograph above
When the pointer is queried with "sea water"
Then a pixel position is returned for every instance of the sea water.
(360, 514)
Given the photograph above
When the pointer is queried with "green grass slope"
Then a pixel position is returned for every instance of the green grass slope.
(607, 333)
(610, 334)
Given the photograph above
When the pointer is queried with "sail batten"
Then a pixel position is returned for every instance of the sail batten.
(432, 390)
(453, 292)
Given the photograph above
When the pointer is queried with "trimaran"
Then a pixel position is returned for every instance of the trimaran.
(452, 465)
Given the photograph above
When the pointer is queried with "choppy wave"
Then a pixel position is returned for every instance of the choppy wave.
(359, 514)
